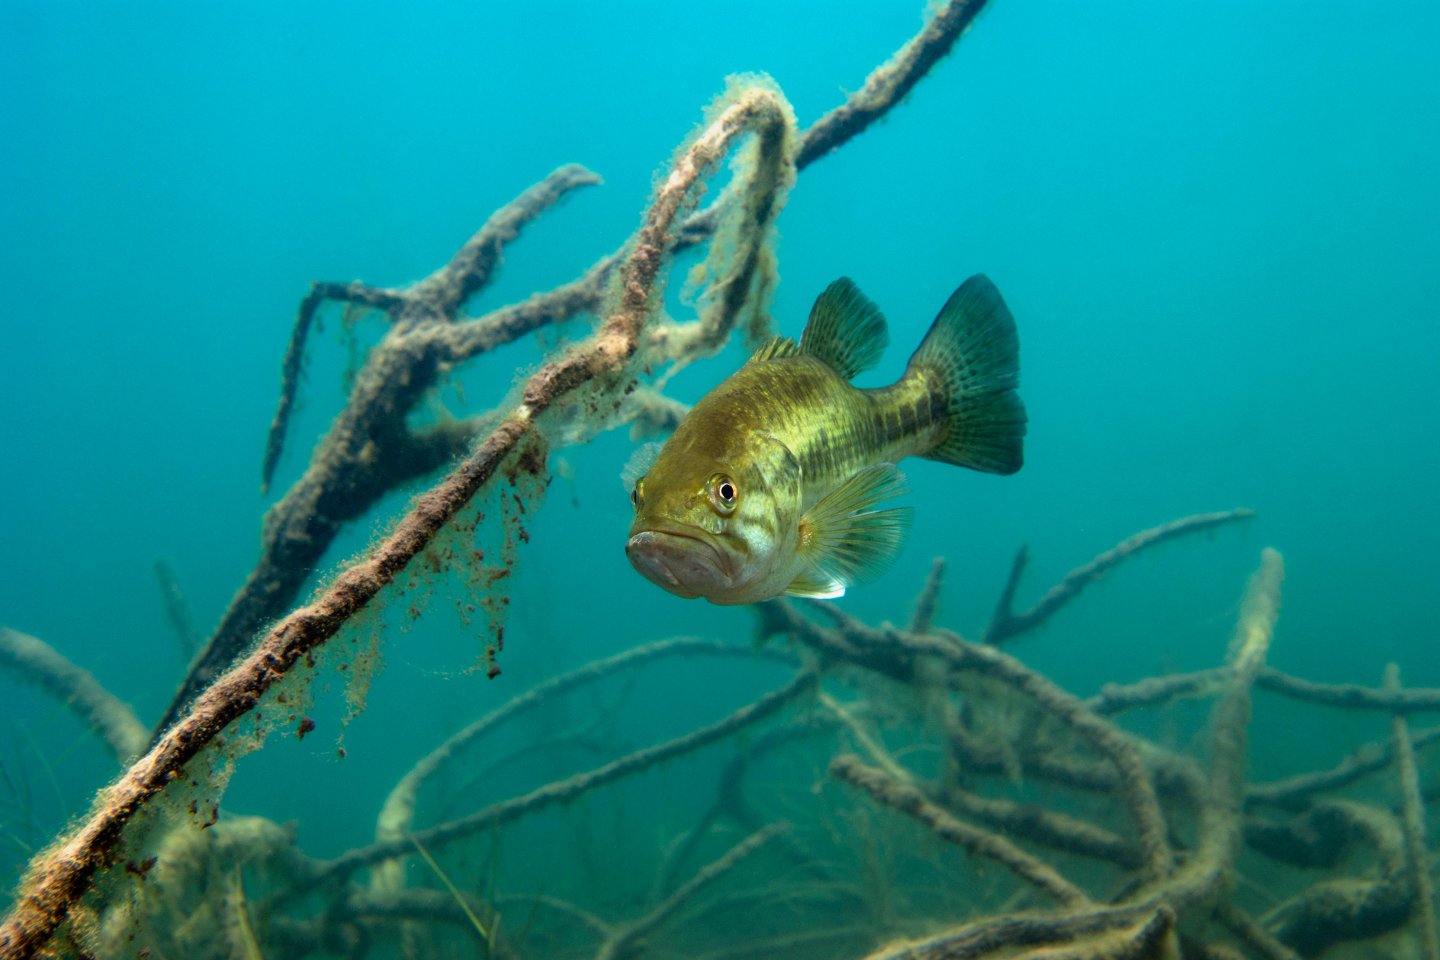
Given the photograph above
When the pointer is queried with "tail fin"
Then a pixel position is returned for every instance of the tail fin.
(974, 352)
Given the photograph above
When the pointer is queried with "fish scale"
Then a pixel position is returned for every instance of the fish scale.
(832, 427)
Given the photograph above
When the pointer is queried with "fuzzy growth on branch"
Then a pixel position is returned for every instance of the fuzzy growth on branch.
(61, 874)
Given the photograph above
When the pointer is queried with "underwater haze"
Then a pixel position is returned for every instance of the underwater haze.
(1217, 227)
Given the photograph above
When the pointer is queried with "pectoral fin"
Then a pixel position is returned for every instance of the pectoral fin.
(639, 464)
(847, 537)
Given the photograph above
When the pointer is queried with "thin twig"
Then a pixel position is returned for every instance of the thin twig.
(177, 611)
(1252, 934)
(1115, 698)
(1295, 792)
(1006, 624)
(1056, 830)
(290, 368)
(565, 791)
(621, 943)
(908, 800)
(1351, 696)
(397, 814)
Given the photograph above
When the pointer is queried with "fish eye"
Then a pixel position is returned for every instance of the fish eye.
(723, 492)
(637, 493)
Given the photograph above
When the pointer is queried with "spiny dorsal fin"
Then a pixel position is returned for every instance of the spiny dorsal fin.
(974, 351)
(774, 349)
(845, 329)
(846, 538)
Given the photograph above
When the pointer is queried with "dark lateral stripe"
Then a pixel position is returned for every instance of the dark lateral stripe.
(834, 432)
(903, 413)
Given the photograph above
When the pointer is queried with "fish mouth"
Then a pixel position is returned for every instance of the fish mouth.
(681, 563)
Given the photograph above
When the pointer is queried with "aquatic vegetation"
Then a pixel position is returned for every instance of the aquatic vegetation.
(839, 792)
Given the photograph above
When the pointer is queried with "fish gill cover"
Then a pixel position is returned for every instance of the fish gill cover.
(438, 714)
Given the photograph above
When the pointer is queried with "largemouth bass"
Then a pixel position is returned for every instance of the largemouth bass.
(776, 481)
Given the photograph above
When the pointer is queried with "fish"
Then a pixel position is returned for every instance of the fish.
(782, 479)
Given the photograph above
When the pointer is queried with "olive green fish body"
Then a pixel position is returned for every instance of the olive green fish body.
(774, 482)
(832, 428)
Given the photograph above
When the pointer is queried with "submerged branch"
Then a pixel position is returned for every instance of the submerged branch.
(61, 874)
(177, 611)
(395, 822)
(1412, 821)
(100, 710)
(1115, 698)
(1137, 923)
(565, 791)
(1295, 792)
(625, 940)
(350, 470)
(1220, 818)
(369, 449)
(887, 85)
(1006, 624)
(990, 936)
(908, 800)
(290, 368)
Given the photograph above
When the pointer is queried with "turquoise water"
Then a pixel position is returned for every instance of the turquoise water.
(1217, 226)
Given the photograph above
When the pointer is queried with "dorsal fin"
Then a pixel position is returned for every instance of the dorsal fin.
(775, 348)
(846, 330)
